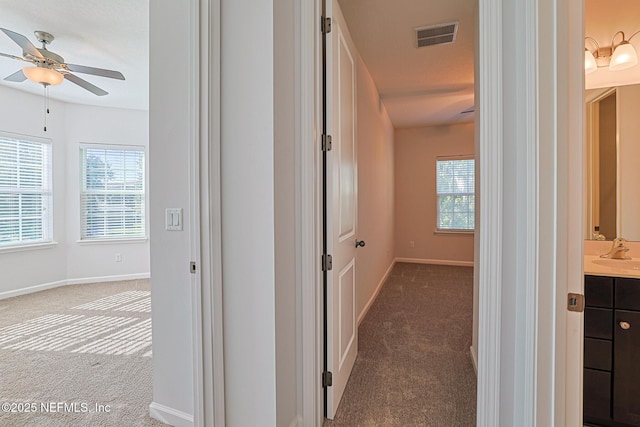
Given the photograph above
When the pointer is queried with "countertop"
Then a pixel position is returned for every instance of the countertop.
(592, 252)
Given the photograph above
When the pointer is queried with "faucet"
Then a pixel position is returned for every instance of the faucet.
(618, 250)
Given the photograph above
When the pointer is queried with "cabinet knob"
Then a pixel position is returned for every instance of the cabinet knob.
(625, 325)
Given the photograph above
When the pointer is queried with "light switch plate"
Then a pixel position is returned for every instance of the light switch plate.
(173, 219)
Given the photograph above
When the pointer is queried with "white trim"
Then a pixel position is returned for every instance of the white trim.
(206, 243)
(490, 83)
(100, 279)
(170, 416)
(436, 261)
(107, 241)
(23, 248)
(67, 282)
(308, 206)
(32, 289)
(474, 359)
(369, 303)
(194, 141)
(456, 232)
(569, 275)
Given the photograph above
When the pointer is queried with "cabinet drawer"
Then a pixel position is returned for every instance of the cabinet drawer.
(597, 394)
(598, 323)
(598, 291)
(597, 354)
(628, 294)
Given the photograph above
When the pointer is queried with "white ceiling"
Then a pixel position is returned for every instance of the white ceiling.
(111, 34)
(419, 87)
(602, 20)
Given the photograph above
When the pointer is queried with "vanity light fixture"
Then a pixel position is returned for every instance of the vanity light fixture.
(617, 57)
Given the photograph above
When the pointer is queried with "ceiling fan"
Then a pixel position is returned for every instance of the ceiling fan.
(49, 68)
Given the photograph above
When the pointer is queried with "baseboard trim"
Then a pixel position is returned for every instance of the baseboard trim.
(60, 283)
(32, 289)
(436, 262)
(118, 278)
(367, 306)
(474, 359)
(170, 416)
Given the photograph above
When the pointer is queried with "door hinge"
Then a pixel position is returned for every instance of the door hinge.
(327, 262)
(575, 302)
(326, 142)
(327, 379)
(325, 25)
(192, 267)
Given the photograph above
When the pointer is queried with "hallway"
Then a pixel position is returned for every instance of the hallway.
(413, 366)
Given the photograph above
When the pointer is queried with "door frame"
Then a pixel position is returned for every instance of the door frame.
(204, 193)
(548, 389)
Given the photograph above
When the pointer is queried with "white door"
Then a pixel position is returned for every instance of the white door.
(342, 199)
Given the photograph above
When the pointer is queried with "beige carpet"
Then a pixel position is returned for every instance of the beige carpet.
(413, 366)
(77, 356)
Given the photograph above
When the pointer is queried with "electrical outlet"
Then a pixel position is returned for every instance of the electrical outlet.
(412, 244)
(118, 257)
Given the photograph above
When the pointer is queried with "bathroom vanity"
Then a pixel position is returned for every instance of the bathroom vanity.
(611, 343)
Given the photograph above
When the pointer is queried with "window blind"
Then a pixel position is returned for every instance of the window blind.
(112, 196)
(455, 188)
(25, 192)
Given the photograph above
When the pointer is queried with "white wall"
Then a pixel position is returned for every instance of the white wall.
(67, 126)
(96, 125)
(247, 125)
(416, 150)
(285, 192)
(170, 130)
(375, 189)
(22, 113)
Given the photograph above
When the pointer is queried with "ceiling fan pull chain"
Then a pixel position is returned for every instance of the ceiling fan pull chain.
(46, 106)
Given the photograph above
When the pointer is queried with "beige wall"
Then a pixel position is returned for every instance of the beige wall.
(375, 190)
(416, 150)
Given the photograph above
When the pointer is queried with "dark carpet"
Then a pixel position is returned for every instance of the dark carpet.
(413, 366)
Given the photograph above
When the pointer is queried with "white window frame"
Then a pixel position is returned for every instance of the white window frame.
(83, 191)
(46, 191)
(439, 230)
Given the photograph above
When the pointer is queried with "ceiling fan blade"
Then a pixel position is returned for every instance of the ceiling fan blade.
(95, 71)
(23, 42)
(6, 55)
(18, 77)
(85, 84)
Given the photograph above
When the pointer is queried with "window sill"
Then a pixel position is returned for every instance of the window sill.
(455, 232)
(112, 241)
(24, 248)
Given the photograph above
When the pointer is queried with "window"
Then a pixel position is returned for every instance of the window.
(25, 192)
(112, 192)
(455, 179)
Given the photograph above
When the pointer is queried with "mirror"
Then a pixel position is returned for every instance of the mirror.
(613, 163)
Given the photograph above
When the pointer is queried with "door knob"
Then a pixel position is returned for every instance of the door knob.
(625, 325)
(359, 243)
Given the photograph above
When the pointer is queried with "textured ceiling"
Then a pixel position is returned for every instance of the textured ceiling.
(112, 34)
(602, 20)
(419, 87)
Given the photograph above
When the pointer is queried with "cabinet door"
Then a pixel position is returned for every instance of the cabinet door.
(597, 396)
(626, 362)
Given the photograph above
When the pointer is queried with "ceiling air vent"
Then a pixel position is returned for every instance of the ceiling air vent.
(436, 34)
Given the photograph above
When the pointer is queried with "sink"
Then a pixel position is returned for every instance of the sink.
(625, 264)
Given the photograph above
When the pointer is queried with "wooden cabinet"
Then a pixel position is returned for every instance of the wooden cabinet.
(611, 382)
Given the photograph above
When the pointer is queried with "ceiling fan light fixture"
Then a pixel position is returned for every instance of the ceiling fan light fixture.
(44, 76)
